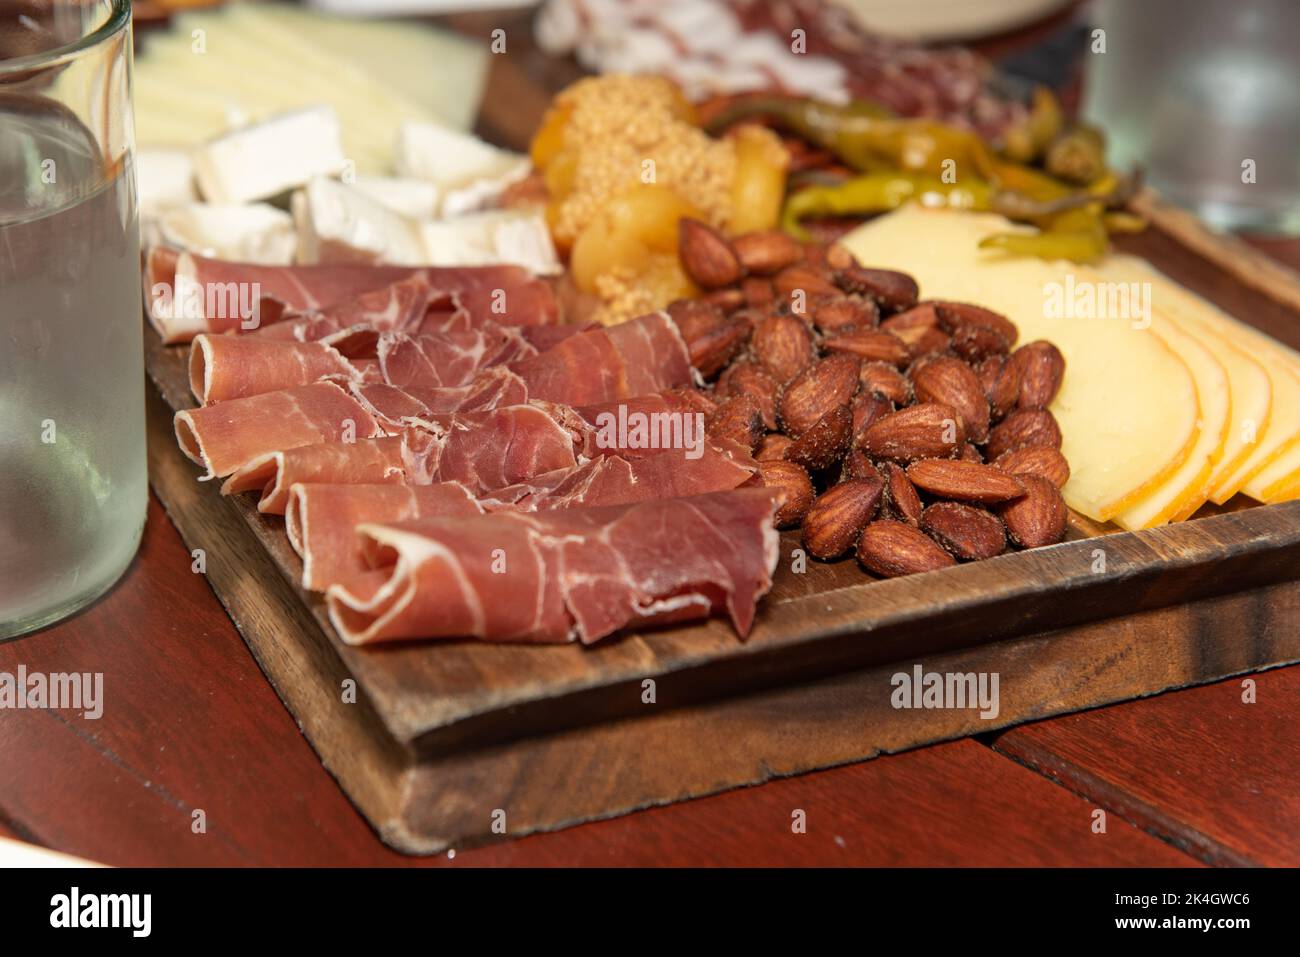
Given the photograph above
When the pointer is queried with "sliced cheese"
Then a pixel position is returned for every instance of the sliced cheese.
(514, 237)
(470, 172)
(339, 223)
(1128, 406)
(1187, 488)
(1274, 476)
(256, 233)
(1267, 441)
(270, 157)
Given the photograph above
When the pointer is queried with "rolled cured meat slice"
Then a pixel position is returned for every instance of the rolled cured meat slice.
(228, 435)
(321, 522)
(637, 357)
(398, 408)
(615, 480)
(569, 573)
(188, 294)
(234, 367)
(439, 360)
(371, 462)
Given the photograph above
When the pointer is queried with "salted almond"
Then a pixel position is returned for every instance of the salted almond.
(846, 312)
(965, 532)
(809, 282)
(856, 465)
(902, 502)
(891, 549)
(1038, 517)
(706, 255)
(758, 292)
(1040, 368)
(738, 420)
(954, 315)
(895, 291)
(795, 488)
(964, 481)
(950, 381)
(728, 300)
(749, 378)
(1021, 429)
(838, 516)
(772, 447)
(867, 408)
(1040, 460)
(976, 343)
(883, 378)
(783, 345)
(870, 345)
(825, 443)
(927, 430)
(970, 453)
(821, 387)
(767, 252)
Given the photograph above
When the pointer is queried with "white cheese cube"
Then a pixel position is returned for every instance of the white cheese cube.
(257, 233)
(413, 198)
(165, 178)
(270, 157)
(470, 172)
(514, 237)
(340, 223)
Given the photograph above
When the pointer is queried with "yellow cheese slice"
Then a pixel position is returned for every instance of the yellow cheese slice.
(1128, 406)
(1268, 442)
(1187, 488)
(1284, 490)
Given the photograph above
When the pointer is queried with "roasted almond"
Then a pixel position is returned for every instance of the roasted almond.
(902, 502)
(930, 342)
(1039, 460)
(950, 381)
(1021, 429)
(1038, 517)
(773, 447)
(805, 281)
(728, 300)
(782, 345)
(1040, 368)
(706, 255)
(825, 443)
(964, 481)
(837, 315)
(890, 549)
(749, 378)
(838, 516)
(796, 490)
(758, 292)
(713, 349)
(970, 453)
(895, 291)
(826, 384)
(954, 315)
(867, 408)
(839, 257)
(870, 345)
(856, 465)
(738, 420)
(766, 252)
(975, 343)
(927, 430)
(882, 378)
(965, 532)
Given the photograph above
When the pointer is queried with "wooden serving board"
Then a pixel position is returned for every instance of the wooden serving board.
(443, 744)
(440, 743)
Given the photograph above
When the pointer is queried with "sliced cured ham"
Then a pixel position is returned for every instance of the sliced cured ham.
(568, 573)
(398, 408)
(382, 461)
(188, 294)
(228, 435)
(492, 449)
(233, 367)
(615, 480)
(321, 522)
(443, 359)
(637, 357)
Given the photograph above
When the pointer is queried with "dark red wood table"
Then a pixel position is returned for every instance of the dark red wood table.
(191, 731)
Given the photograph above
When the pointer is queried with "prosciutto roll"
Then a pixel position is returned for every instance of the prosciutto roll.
(564, 574)
(321, 522)
(234, 367)
(188, 294)
(369, 462)
(228, 435)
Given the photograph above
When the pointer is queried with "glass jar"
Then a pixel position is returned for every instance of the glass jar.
(73, 483)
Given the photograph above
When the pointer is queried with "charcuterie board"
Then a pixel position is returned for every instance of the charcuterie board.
(433, 741)
(444, 743)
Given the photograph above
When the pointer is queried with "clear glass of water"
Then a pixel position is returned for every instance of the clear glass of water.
(1203, 94)
(73, 484)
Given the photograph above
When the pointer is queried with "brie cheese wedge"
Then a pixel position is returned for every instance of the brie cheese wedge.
(341, 223)
(270, 157)
(470, 173)
(256, 233)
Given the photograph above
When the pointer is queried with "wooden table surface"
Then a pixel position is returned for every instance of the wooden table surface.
(1201, 776)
